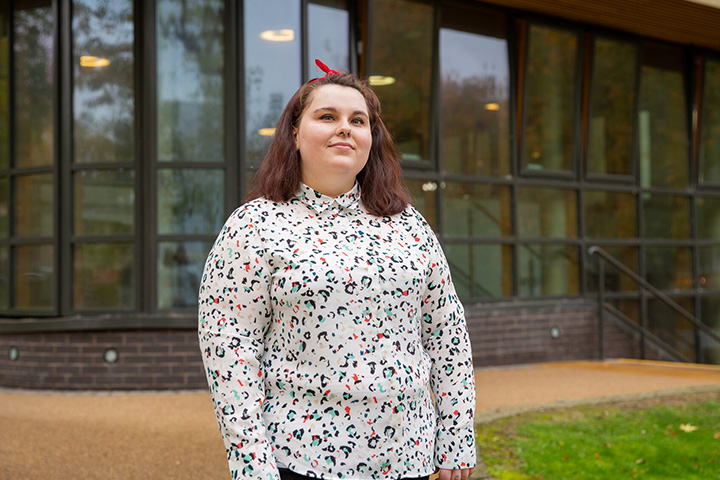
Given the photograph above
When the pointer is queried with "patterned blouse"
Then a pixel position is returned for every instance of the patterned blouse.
(323, 330)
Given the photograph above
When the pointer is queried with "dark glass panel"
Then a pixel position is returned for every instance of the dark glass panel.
(328, 36)
(179, 267)
(104, 277)
(104, 202)
(34, 205)
(549, 104)
(708, 218)
(472, 210)
(669, 268)
(547, 269)
(710, 316)
(615, 280)
(190, 200)
(34, 75)
(612, 107)
(709, 271)
(272, 68)
(480, 271)
(546, 212)
(103, 88)
(34, 276)
(662, 120)
(423, 198)
(4, 208)
(666, 216)
(710, 124)
(610, 214)
(671, 327)
(475, 94)
(4, 87)
(4, 277)
(401, 33)
(190, 80)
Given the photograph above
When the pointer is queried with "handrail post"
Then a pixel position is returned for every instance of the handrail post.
(601, 307)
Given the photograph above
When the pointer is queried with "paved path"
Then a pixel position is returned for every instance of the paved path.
(72, 436)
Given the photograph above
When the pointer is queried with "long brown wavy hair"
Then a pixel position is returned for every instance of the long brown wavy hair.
(382, 189)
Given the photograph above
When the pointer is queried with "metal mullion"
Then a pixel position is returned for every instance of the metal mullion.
(147, 183)
(65, 193)
(11, 158)
(237, 28)
(232, 112)
(142, 29)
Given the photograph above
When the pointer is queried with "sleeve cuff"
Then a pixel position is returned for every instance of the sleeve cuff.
(455, 448)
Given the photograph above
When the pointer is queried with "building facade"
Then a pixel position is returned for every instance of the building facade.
(529, 132)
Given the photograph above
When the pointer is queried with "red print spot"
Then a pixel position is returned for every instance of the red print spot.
(347, 410)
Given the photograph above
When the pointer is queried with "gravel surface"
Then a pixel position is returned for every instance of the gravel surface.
(71, 436)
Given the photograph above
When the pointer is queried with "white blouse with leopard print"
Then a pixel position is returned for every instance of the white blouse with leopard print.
(324, 330)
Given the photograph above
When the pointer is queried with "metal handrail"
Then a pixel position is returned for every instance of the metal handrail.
(603, 255)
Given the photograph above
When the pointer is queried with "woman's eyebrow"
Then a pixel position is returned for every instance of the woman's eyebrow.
(335, 110)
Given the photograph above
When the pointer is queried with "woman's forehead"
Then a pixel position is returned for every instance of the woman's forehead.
(337, 97)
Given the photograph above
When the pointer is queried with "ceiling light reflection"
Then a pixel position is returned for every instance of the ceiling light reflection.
(91, 61)
(380, 80)
(282, 35)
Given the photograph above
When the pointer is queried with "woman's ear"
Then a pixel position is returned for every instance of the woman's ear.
(295, 136)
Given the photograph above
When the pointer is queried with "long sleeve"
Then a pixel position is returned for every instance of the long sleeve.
(446, 340)
(234, 316)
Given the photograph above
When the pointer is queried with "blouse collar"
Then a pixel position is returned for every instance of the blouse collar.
(319, 202)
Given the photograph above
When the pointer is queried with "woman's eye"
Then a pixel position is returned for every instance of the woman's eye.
(358, 121)
(327, 116)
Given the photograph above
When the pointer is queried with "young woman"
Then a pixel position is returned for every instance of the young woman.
(327, 312)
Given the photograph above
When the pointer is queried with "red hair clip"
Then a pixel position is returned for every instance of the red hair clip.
(328, 71)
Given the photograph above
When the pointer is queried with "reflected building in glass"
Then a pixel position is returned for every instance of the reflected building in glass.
(528, 133)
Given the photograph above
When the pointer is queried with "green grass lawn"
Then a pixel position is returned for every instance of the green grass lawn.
(672, 438)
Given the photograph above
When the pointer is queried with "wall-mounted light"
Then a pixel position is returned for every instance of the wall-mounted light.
(282, 35)
(111, 355)
(267, 132)
(380, 80)
(13, 353)
(493, 107)
(90, 61)
(554, 333)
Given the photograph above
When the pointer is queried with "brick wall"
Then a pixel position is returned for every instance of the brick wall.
(502, 334)
(146, 359)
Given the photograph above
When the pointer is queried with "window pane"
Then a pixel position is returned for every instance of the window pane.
(481, 271)
(190, 200)
(190, 86)
(612, 108)
(547, 270)
(103, 89)
(4, 208)
(4, 87)
(708, 218)
(549, 99)
(671, 327)
(104, 202)
(34, 276)
(709, 272)
(669, 267)
(272, 68)
(423, 198)
(34, 75)
(4, 277)
(328, 36)
(710, 142)
(710, 315)
(179, 267)
(401, 33)
(104, 276)
(547, 212)
(475, 137)
(666, 216)
(34, 204)
(610, 215)
(472, 210)
(662, 122)
(615, 280)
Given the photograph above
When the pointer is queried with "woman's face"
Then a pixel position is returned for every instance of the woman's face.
(333, 138)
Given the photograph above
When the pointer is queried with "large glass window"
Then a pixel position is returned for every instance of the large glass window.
(547, 270)
(190, 195)
(546, 212)
(662, 120)
(666, 216)
(473, 210)
(400, 69)
(481, 270)
(474, 93)
(328, 35)
(103, 155)
(709, 272)
(708, 218)
(272, 55)
(612, 107)
(710, 125)
(550, 99)
(669, 267)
